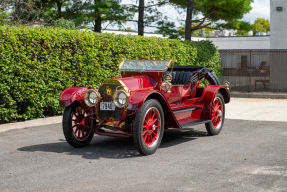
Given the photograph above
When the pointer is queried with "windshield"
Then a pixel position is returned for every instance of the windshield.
(141, 65)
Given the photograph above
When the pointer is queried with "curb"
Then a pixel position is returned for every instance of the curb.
(30, 123)
(259, 95)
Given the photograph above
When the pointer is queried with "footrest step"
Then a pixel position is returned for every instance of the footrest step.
(187, 109)
(201, 121)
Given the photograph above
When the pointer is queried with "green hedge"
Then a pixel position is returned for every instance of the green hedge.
(37, 64)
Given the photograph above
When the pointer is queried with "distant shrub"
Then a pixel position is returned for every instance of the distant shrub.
(64, 24)
(37, 64)
(3, 18)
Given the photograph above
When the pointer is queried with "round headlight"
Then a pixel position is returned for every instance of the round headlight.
(92, 97)
(120, 98)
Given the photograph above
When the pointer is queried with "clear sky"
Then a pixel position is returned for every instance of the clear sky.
(261, 9)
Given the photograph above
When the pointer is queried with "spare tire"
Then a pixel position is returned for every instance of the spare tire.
(212, 78)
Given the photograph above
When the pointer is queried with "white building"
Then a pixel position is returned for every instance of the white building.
(278, 24)
(251, 42)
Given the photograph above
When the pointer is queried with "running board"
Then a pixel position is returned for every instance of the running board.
(187, 109)
(201, 121)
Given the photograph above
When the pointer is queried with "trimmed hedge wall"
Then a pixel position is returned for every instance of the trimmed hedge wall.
(37, 64)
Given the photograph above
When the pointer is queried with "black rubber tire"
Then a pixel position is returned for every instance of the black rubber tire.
(138, 127)
(67, 128)
(209, 126)
(212, 78)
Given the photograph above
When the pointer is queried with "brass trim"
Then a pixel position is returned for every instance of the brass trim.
(115, 94)
(87, 95)
(167, 80)
(226, 84)
(115, 82)
(121, 64)
(169, 87)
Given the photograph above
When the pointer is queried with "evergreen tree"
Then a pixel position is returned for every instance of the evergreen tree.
(148, 13)
(97, 12)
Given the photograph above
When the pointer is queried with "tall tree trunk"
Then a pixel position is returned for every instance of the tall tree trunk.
(98, 24)
(141, 18)
(17, 8)
(188, 20)
(59, 5)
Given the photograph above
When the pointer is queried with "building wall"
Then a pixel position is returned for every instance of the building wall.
(278, 29)
(254, 42)
(278, 24)
(146, 34)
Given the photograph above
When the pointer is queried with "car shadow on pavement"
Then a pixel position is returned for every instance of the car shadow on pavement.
(114, 148)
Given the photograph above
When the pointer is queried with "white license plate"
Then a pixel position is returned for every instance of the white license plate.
(107, 106)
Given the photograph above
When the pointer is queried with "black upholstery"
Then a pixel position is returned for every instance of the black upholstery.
(180, 77)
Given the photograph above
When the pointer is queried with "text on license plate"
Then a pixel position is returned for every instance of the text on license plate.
(107, 106)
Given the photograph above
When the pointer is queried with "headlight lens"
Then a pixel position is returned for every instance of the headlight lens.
(120, 98)
(92, 97)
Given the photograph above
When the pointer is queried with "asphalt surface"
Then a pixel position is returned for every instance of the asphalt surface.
(245, 156)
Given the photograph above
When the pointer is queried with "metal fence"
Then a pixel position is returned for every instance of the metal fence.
(255, 70)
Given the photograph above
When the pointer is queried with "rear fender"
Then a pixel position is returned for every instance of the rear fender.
(208, 97)
(72, 94)
(225, 93)
(140, 96)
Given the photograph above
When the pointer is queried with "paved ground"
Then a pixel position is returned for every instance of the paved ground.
(257, 109)
(246, 156)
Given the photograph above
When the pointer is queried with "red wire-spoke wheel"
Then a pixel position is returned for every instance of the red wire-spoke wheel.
(151, 127)
(148, 127)
(76, 134)
(217, 115)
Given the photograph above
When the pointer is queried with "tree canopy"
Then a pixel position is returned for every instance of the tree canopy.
(99, 11)
(261, 25)
(201, 15)
(215, 14)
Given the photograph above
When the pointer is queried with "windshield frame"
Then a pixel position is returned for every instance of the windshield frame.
(170, 62)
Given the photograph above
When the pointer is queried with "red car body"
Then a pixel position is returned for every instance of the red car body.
(184, 104)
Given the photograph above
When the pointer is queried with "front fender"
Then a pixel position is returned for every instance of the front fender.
(72, 94)
(140, 96)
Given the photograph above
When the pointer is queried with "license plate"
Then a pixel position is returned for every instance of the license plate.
(107, 106)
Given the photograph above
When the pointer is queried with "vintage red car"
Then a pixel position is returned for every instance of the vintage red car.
(151, 96)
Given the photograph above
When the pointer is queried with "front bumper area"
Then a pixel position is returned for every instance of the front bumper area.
(106, 127)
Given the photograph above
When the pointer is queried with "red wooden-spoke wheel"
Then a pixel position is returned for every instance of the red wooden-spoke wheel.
(217, 115)
(75, 134)
(151, 127)
(148, 127)
(79, 131)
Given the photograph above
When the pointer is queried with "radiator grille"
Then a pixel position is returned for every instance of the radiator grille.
(118, 112)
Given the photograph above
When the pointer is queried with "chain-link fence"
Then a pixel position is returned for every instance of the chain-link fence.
(255, 70)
